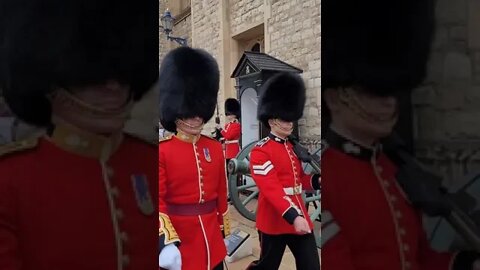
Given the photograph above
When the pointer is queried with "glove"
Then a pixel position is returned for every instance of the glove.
(170, 258)
(476, 265)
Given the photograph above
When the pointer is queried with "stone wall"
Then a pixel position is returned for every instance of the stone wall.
(206, 35)
(206, 25)
(294, 29)
(183, 28)
(446, 108)
(245, 13)
(164, 45)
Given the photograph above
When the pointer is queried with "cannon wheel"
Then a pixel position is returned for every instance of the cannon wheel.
(244, 196)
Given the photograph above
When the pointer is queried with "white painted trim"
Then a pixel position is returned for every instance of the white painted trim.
(329, 232)
(392, 211)
(206, 242)
(264, 171)
(200, 197)
(262, 167)
(113, 216)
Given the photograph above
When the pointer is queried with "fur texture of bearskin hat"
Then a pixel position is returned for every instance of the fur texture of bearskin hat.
(232, 107)
(282, 96)
(379, 46)
(189, 82)
(47, 44)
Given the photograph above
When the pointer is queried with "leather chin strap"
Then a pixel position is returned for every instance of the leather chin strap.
(282, 128)
(348, 97)
(180, 122)
(65, 98)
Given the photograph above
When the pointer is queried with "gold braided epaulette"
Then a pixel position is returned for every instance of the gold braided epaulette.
(18, 146)
(164, 139)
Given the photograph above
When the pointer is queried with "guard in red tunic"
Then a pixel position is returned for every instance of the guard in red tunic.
(373, 51)
(192, 191)
(282, 218)
(82, 196)
(232, 132)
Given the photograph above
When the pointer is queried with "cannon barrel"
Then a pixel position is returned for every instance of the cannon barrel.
(237, 166)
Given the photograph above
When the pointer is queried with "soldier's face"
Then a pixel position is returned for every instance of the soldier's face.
(280, 127)
(110, 95)
(364, 114)
(99, 108)
(230, 117)
(192, 126)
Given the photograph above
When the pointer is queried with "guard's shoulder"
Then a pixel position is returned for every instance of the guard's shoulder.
(165, 139)
(18, 146)
(209, 138)
(262, 142)
(211, 141)
(142, 139)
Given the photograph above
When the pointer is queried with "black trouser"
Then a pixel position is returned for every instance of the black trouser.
(303, 247)
(219, 266)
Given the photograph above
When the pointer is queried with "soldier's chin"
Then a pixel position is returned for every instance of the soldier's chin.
(382, 129)
(193, 130)
(102, 126)
(286, 130)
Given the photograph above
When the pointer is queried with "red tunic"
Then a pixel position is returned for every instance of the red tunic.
(61, 208)
(368, 222)
(194, 173)
(231, 133)
(274, 168)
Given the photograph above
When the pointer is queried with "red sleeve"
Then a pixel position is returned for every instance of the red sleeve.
(310, 181)
(9, 257)
(265, 176)
(336, 250)
(222, 203)
(162, 183)
(166, 231)
(336, 253)
(232, 131)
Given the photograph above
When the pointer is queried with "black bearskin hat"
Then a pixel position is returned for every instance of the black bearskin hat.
(232, 107)
(282, 96)
(189, 82)
(379, 46)
(46, 44)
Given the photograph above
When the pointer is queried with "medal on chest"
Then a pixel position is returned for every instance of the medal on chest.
(206, 153)
(142, 194)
